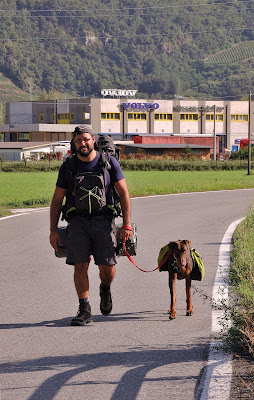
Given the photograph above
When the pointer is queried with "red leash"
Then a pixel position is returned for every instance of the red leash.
(131, 260)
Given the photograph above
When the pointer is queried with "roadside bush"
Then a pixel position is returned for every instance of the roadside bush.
(134, 164)
(242, 154)
(181, 165)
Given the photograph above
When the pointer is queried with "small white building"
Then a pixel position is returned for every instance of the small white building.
(19, 151)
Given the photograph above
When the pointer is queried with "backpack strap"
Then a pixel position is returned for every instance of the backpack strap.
(71, 169)
(105, 162)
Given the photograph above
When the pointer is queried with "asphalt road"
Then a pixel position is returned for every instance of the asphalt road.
(136, 352)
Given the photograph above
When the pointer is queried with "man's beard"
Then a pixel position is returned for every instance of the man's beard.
(85, 153)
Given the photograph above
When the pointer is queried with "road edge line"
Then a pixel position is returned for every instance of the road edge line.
(219, 369)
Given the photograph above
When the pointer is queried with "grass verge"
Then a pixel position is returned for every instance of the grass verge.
(241, 333)
(35, 189)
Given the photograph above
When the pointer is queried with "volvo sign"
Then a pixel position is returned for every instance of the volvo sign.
(118, 92)
(141, 106)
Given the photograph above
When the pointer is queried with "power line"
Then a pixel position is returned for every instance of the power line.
(227, 3)
(218, 4)
(126, 36)
(199, 12)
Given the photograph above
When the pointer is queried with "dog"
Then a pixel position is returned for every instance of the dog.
(180, 266)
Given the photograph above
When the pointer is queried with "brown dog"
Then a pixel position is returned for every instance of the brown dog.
(180, 265)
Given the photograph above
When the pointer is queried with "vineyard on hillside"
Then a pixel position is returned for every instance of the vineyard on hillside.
(237, 53)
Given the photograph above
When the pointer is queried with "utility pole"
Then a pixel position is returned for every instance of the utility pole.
(249, 139)
(214, 133)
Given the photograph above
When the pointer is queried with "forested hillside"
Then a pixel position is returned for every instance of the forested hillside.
(161, 48)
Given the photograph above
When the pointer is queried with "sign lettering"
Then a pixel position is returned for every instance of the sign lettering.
(118, 92)
(204, 108)
(141, 106)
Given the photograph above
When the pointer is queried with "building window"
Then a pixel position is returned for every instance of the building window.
(239, 117)
(63, 116)
(41, 117)
(188, 117)
(137, 116)
(110, 116)
(210, 117)
(86, 116)
(53, 117)
(163, 117)
(23, 137)
(13, 136)
(72, 117)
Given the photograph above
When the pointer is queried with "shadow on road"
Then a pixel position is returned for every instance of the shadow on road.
(139, 361)
(65, 322)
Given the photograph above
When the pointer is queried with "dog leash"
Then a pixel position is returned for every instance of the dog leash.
(143, 270)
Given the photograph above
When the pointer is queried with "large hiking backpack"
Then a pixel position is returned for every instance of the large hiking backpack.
(89, 191)
(89, 188)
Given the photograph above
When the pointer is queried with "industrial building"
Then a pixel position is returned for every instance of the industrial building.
(127, 117)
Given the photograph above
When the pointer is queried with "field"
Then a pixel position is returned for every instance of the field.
(234, 54)
(31, 189)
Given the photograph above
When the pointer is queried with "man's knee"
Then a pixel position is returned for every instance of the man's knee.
(107, 273)
(81, 267)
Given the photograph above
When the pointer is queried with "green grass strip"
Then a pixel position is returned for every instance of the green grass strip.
(21, 189)
(241, 334)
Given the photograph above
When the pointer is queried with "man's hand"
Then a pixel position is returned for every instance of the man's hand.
(54, 238)
(55, 211)
(125, 233)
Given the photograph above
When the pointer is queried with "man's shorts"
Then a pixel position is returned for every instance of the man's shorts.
(96, 237)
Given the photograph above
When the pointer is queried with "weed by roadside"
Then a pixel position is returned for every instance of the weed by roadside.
(4, 212)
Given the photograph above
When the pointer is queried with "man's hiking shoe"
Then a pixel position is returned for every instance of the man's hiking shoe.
(106, 300)
(84, 315)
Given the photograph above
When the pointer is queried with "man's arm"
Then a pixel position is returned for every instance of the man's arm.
(55, 211)
(125, 202)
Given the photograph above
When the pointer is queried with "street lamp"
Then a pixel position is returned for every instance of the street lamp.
(249, 141)
(214, 133)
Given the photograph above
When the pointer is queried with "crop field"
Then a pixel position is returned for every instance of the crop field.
(237, 53)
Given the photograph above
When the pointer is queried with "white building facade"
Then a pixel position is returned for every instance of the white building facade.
(123, 118)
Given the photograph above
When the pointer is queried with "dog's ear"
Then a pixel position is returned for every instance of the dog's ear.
(188, 243)
(170, 247)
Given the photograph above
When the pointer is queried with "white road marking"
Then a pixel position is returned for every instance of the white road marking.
(217, 382)
(17, 212)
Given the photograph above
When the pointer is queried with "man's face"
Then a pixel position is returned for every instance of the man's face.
(84, 144)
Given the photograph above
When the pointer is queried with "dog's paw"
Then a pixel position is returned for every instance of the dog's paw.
(189, 313)
(171, 316)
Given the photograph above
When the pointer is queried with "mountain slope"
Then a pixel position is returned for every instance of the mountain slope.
(162, 49)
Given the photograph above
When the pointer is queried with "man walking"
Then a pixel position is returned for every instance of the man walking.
(89, 203)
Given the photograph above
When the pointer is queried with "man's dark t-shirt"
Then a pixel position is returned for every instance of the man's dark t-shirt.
(115, 175)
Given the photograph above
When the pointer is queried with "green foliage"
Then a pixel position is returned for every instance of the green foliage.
(242, 154)
(242, 280)
(147, 164)
(162, 50)
(182, 165)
